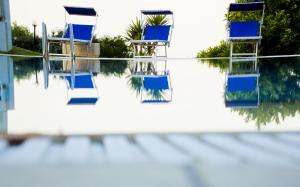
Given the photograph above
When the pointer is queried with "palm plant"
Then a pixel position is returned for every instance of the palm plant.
(157, 20)
(135, 29)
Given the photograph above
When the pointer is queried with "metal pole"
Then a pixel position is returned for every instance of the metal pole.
(230, 60)
(34, 37)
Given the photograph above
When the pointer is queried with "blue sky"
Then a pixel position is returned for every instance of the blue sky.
(198, 24)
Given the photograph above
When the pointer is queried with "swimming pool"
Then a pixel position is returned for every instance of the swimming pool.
(197, 104)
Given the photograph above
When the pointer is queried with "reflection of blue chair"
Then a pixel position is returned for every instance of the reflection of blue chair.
(74, 33)
(242, 91)
(81, 82)
(245, 32)
(157, 88)
(154, 35)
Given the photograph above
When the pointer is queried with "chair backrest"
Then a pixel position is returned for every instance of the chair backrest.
(156, 83)
(242, 84)
(244, 29)
(81, 81)
(157, 32)
(80, 32)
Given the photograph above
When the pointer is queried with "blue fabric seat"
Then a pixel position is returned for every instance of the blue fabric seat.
(242, 84)
(244, 29)
(81, 32)
(156, 83)
(157, 32)
(81, 81)
(82, 101)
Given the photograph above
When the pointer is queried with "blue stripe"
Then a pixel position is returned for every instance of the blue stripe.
(81, 11)
(82, 101)
(246, 6)
(241, 103)
(156, 12)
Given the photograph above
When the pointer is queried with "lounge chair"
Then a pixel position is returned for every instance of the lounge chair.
(242, 91)
(154, 35)
(73, 33)
(245, 32)
(84, 85)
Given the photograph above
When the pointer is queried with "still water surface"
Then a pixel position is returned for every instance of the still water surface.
(197, 99)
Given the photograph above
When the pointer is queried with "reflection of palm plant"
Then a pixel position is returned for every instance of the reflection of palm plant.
(136, 84)
(112, 67)
(156, 94)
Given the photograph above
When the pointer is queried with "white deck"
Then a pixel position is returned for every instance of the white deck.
(209, 159)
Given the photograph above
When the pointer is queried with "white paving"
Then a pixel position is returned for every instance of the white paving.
(290, 137)
(3, 144)
(270, 143)
(119, 149)
(76, 150)
(161, 151)
(29, 152)
(54, 154)
(248, 152)
(202, 151)
(97, 153)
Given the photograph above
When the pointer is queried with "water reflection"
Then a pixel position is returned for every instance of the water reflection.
(277, 94)
(79, 78)
(279, 90)
(151, 80)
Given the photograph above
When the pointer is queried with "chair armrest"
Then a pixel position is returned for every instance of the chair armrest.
(147, 41)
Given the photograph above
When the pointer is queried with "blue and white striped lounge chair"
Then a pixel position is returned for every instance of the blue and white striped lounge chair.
(81, 82)
(156, 89)
(155, 35)
(243, 84)
(245, 31)
(73, 33)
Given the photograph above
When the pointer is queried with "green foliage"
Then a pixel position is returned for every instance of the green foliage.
(113, 67)
(134, 30)
(21, 51)
(26, 67)
(157, 20)
(281, 29)
(113, 47)
(23, 38)
(221, 50)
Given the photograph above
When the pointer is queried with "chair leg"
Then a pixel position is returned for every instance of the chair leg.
(256, 55)
(45, 45)
(230, 59)
(72, 44)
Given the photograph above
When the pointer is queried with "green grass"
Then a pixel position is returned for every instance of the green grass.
(21, 51)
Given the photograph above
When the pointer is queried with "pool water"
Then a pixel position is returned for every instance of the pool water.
(196, 102)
